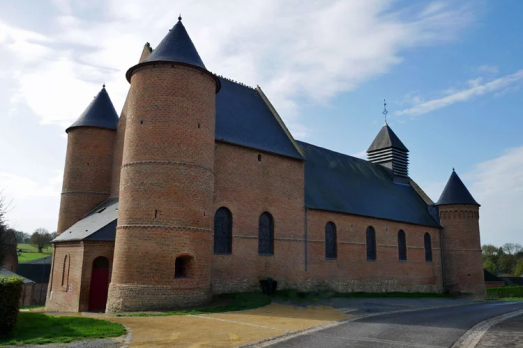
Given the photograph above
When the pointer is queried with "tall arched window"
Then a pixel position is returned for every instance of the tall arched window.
(428, 248)
(266, 234)
(331, 251)
(402, 246)
(65, 272)
(223, 231)
(371, 244)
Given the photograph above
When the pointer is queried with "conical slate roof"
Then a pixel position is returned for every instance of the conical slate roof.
(177, 47)
(455, 192)
(386, 138)
(100, 113)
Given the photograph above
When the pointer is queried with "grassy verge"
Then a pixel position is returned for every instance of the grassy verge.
(30, 253)
(241, 301)
(510, 299)
(34, 328)
(505, 292)
(31, 307)
(296, 296)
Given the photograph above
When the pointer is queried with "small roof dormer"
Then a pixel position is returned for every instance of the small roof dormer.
(100, 113)
(455, 192)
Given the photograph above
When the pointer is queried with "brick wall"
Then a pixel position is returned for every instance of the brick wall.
(462, 249)
(87, 173)
(248, 187)
(64, 291)
(165, 190)
(92, 250)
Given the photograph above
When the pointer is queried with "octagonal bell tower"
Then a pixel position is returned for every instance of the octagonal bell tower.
(163, 245)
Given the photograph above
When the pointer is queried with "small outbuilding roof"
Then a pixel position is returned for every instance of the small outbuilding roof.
(345, 184)
(455, 192)
(100, 113)
(98, 224)
(5, 273)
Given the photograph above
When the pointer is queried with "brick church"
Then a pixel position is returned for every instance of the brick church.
(198, 188)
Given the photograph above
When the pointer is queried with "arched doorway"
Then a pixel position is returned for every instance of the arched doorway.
(99, 284)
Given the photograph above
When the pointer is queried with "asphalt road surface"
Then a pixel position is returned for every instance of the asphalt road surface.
(420, 329)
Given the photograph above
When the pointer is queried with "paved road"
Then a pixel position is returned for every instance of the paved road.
(421, 329)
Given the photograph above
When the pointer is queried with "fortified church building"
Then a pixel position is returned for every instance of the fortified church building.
(199, 189)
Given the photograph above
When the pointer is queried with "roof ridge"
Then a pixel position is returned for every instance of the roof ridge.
(336, 152)
(233, 81)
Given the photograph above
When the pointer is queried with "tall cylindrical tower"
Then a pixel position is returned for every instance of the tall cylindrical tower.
(462, 258)
(164, 235)
(88, 161)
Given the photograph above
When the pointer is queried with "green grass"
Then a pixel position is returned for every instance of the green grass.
(297, 296)
(240, 301)
(505, 292)
(31, 307)
(34, 328)
(509, 299)
(30, 253)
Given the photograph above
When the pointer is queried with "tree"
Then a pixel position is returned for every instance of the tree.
(3, 230)
(512, 248)
(21, 237)
(518, 270)
(506, 263)
(41, 238)
(489, 250)
(490, 266)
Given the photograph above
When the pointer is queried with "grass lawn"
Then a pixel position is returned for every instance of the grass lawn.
(34, 328)
(241, 301)
(506, 299)
(30, 253)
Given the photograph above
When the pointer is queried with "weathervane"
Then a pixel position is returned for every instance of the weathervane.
(385, 112)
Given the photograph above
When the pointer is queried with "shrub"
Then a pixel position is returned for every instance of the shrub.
(505, 291)
(10, 290)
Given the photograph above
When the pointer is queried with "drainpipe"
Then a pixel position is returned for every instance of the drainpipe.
(306, 239)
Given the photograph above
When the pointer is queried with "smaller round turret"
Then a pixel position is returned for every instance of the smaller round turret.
(462, 259)
(88, 162)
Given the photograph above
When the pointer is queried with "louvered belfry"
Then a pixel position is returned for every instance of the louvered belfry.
(388, 150)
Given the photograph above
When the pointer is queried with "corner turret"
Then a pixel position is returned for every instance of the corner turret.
(461, 245)
(89, 160)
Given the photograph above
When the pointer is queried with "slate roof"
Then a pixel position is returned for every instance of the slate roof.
(98, 224)
(100, 113)
(243, 118)
(43, 260)
(5, 273)
(455, 192)
(345, 184)
(489, 277)
(386, 138)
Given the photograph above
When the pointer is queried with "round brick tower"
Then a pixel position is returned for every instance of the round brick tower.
(88, 161)
(163, 242)
(462, 259)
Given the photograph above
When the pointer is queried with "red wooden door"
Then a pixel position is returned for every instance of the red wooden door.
(99, 285)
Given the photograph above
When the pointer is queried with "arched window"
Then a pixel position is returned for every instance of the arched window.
(428, 248)
(371, 244)
(101, 262)
(183, 266)
(402, 246)
(223, 231)
(331, 251)
(266, 234)
(65, 272)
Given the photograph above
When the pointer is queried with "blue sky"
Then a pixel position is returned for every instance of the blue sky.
(451, 72)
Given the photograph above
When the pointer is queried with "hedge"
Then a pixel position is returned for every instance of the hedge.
(505, 291)
(10, 290)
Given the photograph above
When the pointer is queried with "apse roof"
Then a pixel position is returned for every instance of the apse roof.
(100, 113)
(387, 138)
(345, 184)
(455, 192)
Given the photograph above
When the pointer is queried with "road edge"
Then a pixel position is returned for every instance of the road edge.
(472, 337)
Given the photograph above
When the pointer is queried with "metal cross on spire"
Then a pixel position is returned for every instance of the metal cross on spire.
(385, 112)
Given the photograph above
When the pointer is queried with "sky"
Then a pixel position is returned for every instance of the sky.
(451, 72)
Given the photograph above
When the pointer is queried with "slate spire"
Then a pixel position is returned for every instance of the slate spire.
(388, 150)
(100, 113)
(455, 192)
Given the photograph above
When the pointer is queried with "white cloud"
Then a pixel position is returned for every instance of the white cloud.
(498, 187)
(486, 69)
(476, 88)
(293, 49)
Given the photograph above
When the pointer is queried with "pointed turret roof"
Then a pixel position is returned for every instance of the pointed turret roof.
(455, 192)
(100, 113)
(386, 138)
(176, 47)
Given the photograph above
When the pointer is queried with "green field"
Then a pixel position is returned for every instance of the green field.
(34, 328)
(30, 253)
